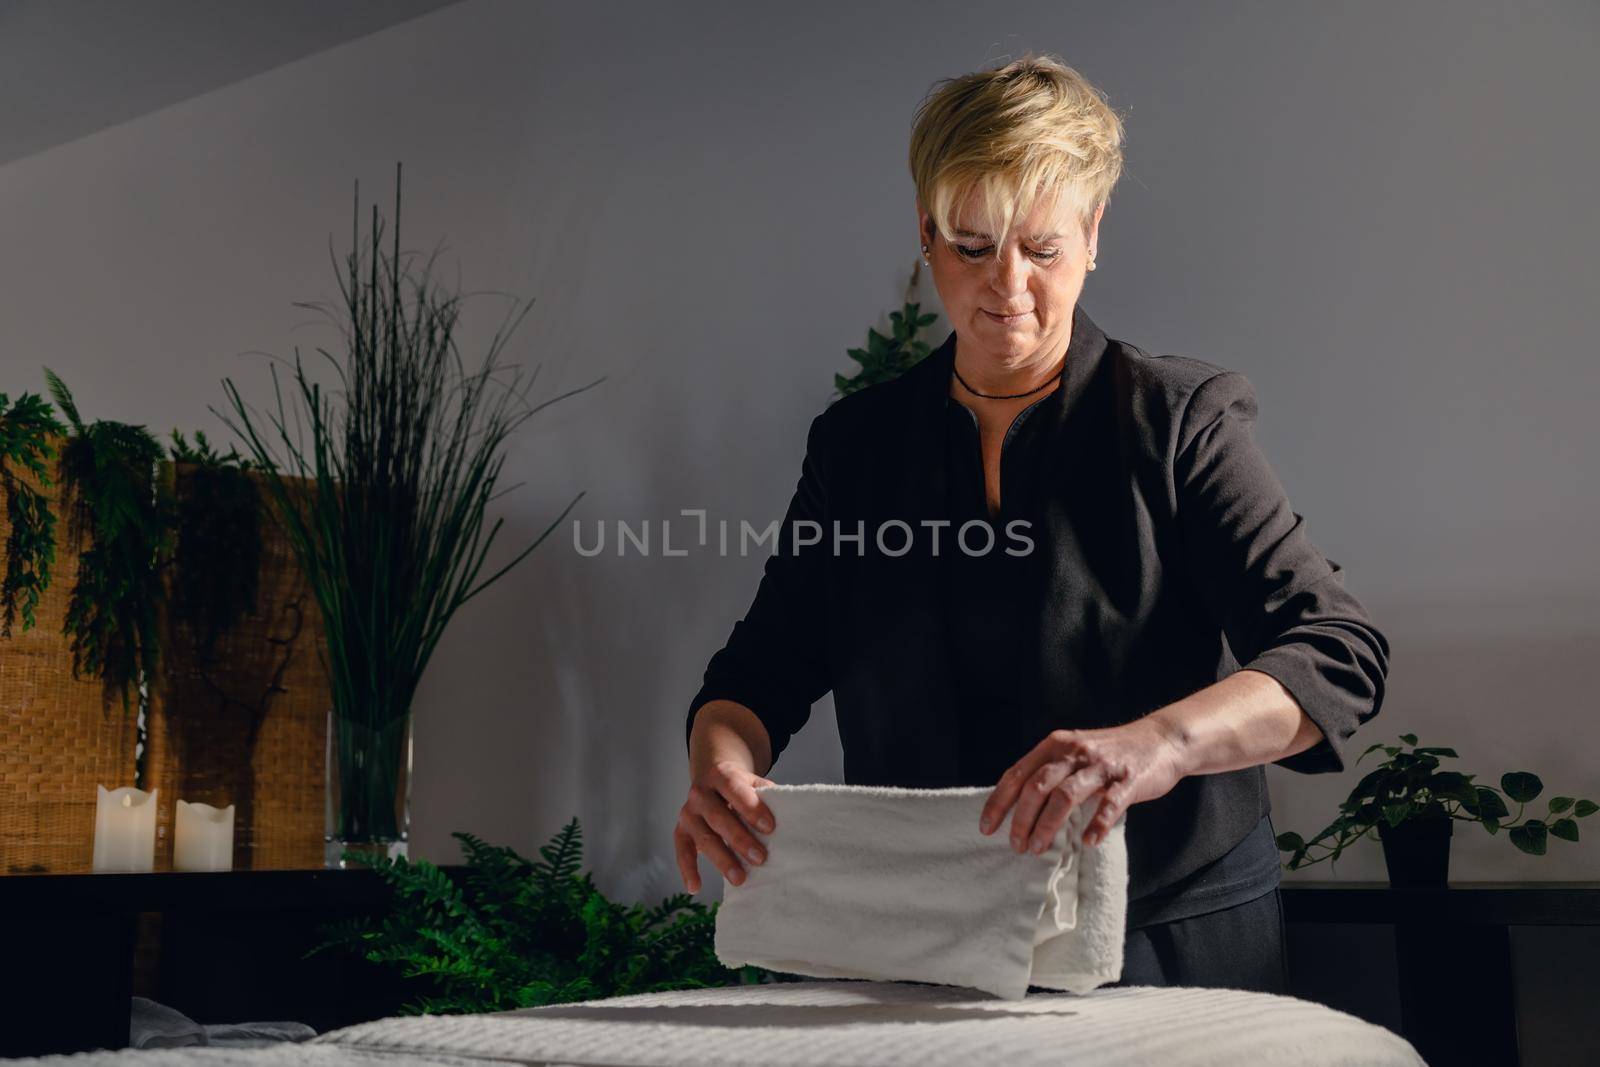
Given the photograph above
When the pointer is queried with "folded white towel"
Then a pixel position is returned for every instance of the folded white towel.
(899, 884)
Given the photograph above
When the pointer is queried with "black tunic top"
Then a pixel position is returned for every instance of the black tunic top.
(986, 597)
(1168, 558)
(985, 589)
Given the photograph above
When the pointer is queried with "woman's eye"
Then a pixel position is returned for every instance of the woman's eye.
(971, 252)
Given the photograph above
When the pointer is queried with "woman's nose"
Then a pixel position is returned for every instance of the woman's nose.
(1009, 276)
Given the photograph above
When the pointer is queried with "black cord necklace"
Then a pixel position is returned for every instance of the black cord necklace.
(1005, 396)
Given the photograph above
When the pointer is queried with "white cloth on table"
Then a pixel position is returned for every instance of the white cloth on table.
(899, 884)
(815, 1023)
(837, 1024)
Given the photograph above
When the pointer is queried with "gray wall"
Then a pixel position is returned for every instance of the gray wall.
(1382, 214)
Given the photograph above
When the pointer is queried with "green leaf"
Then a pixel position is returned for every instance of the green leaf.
(1290, 842)
(63, 399)
(1490, 806)
(1455, 786)
(1491, 826)
(1371, 785)
(888, 356)
(1530, 837)
(1560, 804)
(1432, 751)
(1521, 786)
(1566, 829)
(1395, 814)
(1409, 739)
(1585, 807)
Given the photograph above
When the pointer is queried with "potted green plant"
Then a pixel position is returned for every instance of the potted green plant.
(383, 486)
(1413, 806)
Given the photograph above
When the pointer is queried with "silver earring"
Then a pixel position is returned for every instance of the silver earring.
(925, 258)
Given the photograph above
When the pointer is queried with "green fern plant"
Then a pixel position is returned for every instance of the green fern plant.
(218, 542)
(27, 426)
(514, 933)
(121, 516)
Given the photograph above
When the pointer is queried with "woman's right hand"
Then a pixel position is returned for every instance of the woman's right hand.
(716, 820)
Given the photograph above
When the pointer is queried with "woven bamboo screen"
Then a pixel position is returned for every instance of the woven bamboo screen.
(61, 738)
(247, 725)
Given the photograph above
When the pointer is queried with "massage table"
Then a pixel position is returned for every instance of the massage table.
(840, 1023)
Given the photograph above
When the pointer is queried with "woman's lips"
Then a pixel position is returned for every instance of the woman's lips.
(1008, 319)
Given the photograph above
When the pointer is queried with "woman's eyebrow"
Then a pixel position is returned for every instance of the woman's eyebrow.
(986, 237)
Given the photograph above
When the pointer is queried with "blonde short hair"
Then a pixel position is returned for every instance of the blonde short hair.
(1032, 127)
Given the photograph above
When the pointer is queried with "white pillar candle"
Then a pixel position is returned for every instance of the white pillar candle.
(204, 838)
(124, 829)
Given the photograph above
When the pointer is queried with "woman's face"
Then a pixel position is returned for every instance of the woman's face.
(1010, 299)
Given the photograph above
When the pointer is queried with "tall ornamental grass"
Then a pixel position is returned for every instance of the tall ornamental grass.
(383, 484)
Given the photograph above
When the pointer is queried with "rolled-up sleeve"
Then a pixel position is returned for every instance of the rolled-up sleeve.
(775, 660)
(1281, 604)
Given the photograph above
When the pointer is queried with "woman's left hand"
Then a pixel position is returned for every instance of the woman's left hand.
(1118, 766)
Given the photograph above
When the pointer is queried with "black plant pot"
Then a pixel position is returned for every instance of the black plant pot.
(1417, 851)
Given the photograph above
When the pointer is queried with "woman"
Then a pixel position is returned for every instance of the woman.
(1150, 624)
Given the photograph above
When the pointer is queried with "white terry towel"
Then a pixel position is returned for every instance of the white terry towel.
(899, 884)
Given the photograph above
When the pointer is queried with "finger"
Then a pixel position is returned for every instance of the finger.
(1067, 796)
(1055, 813)
(683, 845)
(747, 801)
(1033, 797)
(1011, 783)
(1112, 805)
(715, 849)
(727, 824)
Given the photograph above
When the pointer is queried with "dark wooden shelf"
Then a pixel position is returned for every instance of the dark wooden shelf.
(226, 946)
(313, 889)
(1447, 936)
(1459, 904)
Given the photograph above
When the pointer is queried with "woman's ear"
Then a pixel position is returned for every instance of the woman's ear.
(1092, 238)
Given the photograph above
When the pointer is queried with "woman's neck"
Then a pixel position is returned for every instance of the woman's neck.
(987, 380)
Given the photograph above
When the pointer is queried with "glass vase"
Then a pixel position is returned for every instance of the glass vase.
(368, 808)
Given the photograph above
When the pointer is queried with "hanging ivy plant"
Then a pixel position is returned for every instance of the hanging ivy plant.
(27, 426)
(218, 550)
(113, 614)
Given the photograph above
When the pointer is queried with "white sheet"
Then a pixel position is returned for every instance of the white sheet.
(889, 1024)
(841, 1024)
(286, 1054)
